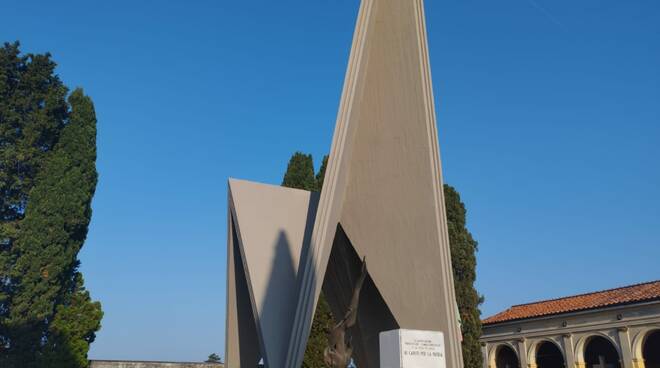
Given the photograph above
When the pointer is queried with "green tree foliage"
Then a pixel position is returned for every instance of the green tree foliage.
(214, 358)
(464, 262)
(47, 181)
(318, 336)
(320, 176)
(300, 174)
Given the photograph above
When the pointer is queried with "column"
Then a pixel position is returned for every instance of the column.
(522, 352)
(638, 363)
(624, 344)
(484, 354)
(569, 353)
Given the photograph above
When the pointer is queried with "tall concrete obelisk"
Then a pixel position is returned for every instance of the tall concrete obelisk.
(383, 189)
(382, 199)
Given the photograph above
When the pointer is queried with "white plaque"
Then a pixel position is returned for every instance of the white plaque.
(412, 349)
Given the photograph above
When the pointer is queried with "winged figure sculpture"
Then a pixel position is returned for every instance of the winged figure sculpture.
(339, 351)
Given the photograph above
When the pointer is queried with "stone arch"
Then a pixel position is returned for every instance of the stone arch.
(638, 345)
(581, 345)
(602, 352)
(496, 349)
(533, 348)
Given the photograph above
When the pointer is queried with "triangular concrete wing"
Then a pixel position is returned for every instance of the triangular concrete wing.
(272, 226)
(383, 183)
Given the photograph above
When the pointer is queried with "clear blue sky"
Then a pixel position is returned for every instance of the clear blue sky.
(549, 123)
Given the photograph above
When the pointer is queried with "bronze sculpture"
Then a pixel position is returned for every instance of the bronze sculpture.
(339, 351)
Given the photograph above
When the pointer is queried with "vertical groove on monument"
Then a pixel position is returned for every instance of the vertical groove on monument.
(374, 316)
(245, 346)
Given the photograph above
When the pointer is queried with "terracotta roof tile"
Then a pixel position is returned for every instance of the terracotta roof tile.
(623, 295)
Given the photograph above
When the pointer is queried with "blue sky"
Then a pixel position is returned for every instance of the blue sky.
(548, 116)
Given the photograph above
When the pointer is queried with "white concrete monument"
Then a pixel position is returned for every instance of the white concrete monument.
(412, 349)
(382, 199)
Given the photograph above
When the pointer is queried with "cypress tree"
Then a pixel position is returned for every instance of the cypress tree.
(464, 263)
(300, 175)
(320, 176)
(300, 172)
(47, 181)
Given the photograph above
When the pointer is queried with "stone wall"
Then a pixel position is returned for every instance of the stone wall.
(143, 364)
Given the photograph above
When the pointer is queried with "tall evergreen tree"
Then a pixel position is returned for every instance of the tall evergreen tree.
(300, 174)
(47, 181)
(320, 176)
(464, 263)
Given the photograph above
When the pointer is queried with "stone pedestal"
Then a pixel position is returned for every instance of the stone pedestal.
(412, 349)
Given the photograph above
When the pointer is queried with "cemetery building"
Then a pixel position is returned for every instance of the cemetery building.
(616, 328)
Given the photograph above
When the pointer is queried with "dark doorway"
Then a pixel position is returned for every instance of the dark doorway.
(601, 353)
(651, 350)
(548, 355)
(506, 358)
